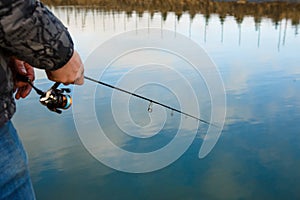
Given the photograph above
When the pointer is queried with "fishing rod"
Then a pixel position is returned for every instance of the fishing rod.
(56, 99)
(148, 99)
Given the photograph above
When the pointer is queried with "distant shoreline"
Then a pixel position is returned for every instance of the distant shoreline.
(239, 9)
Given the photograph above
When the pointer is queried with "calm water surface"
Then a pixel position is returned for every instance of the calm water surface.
(257, 155)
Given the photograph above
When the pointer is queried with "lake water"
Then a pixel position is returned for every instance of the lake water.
(257, 154)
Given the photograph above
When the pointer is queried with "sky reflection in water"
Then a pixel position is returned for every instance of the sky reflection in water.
(257, 156)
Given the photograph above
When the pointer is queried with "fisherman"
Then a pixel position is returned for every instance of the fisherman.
(30, 36)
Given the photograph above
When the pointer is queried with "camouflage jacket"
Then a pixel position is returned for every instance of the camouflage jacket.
(30, 32)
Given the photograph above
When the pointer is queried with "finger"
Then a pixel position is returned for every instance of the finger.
(25, 91)
(30, 71)
(22, 92)
(19, 66)
(79, 81)
(20, 84)
(80, 76)
(18, 94)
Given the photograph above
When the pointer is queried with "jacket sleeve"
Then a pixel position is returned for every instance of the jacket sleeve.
(30, 32)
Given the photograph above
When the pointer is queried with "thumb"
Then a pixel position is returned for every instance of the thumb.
(20, 67)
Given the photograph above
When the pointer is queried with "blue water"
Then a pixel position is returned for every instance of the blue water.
(256, 156)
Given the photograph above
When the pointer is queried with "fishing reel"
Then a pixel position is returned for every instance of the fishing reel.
(54, 99)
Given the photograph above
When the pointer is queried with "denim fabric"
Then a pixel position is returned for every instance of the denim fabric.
(15, 181)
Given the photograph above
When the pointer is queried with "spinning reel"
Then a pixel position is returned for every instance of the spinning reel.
(54, 99)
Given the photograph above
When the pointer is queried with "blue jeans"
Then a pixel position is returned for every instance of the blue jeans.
(15, 181)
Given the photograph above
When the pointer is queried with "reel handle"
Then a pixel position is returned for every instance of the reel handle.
(25, 79)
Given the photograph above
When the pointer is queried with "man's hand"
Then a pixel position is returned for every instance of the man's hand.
(70, 73)
(24, 69)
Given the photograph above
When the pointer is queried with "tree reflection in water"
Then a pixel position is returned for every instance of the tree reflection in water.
(277, 11)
